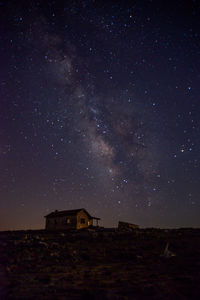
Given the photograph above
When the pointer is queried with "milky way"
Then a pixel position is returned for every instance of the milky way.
(100, 110)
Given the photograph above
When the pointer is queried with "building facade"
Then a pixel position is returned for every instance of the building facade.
(70, 219)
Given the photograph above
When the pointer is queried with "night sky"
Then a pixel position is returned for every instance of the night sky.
(99, 109)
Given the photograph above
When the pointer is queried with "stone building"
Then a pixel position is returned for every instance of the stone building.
(70, 219)
(127, 226)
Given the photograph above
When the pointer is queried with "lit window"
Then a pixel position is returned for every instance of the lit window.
(68, 221)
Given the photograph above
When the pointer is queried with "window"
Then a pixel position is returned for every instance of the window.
(82, 221)
(68, 221)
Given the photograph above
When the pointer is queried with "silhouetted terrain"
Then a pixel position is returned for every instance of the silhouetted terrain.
(103, 264)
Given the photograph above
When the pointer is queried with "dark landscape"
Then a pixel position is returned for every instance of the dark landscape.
(99, 126)
(100, 264)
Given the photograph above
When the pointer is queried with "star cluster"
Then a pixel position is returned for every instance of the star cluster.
(99, 109)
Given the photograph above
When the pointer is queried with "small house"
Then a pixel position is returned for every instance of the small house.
(70, 219)
(127, 226)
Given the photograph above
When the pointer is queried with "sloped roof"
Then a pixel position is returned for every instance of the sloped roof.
(126, 223)
(66, 213)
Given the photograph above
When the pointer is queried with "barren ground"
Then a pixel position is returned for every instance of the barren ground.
(103, 264)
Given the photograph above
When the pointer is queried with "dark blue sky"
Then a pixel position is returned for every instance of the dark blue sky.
(100, 109)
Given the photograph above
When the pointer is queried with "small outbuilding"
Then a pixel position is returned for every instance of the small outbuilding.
(127, 226)
(70, 219)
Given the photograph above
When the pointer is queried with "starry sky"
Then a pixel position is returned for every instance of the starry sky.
(99, 108)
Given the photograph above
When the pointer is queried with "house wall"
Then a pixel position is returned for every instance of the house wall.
(80, 217)
(54, 223)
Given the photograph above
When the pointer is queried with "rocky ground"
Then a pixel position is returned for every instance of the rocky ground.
(100, 264)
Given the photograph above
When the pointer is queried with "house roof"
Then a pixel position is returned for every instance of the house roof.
(126, 223)
(66, 213)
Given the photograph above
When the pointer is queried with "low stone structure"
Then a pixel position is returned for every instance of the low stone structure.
(127, 226)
